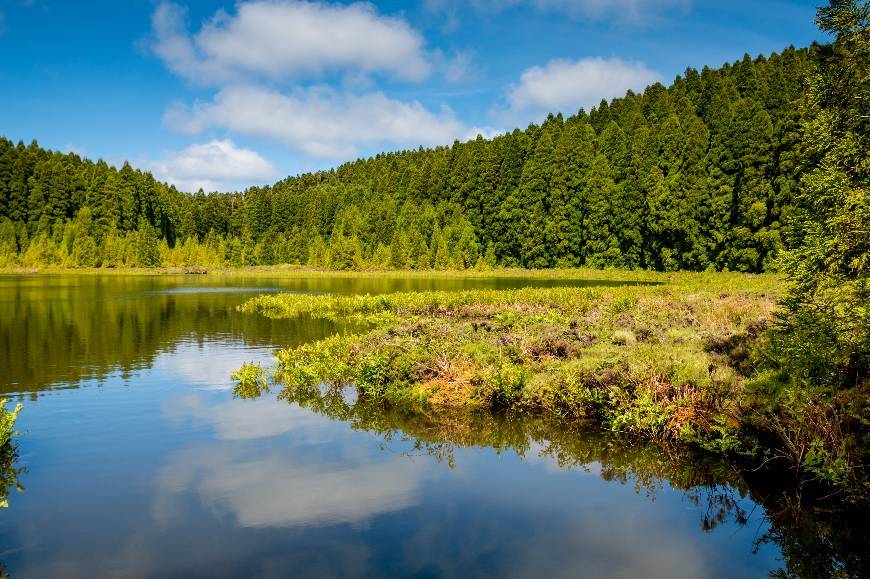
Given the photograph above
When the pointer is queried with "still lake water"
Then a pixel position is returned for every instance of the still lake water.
(138, 462)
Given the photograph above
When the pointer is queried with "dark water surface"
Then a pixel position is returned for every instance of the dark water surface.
(138, 461)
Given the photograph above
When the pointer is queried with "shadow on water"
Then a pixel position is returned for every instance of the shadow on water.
(817, 538)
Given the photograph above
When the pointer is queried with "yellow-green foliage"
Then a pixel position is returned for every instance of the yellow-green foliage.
(7, 421)
(8, 452)
(250, 380)
(647, 360)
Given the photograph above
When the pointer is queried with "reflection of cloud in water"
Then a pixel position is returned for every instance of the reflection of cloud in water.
(279, 490)
(245, 419)
(208, 364)
(621, 544)
(284, 482)
(557, 527)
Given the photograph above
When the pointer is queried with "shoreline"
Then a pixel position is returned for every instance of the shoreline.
(579, 274)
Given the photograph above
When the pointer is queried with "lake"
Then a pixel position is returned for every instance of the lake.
(137, 461)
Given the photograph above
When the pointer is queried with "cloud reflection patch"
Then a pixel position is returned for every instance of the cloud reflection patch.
(277, 489)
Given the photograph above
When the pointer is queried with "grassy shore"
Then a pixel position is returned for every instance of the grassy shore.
(670, 362)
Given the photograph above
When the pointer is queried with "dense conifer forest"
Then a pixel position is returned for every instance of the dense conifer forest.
(699, 175)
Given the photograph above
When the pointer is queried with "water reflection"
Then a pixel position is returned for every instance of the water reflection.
(817, 538)
(163, 473)
(279, 489)
(59, 330)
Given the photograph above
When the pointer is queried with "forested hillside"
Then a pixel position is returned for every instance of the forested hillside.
(698, 175)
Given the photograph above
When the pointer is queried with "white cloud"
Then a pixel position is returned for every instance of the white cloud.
(283, 40)
(635, 11)
(565, 85)
(458, 67)
(319, 121)
(218, 165)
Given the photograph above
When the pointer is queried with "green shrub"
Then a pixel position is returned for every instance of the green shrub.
(7, 421)
(250, 381)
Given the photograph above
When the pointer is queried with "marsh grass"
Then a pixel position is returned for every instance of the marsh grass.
(647, 361)
(7, 421)
(251, 381)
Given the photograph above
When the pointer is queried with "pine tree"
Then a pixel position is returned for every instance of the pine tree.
(533, 198)
(824, 337)
(147, 247)
(572, 159)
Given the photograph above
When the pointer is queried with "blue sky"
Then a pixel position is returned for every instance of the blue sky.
(227, 94)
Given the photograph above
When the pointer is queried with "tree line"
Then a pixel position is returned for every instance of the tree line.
(698, 175)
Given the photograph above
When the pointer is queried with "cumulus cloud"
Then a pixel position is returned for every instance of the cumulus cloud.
(566, 85)
(282, 40)
(218, 165)
(304, 73)
(319, 121)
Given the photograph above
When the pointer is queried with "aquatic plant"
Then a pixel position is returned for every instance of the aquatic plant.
(637, 358)
(250, 381)
(8, 452)
(7, 421)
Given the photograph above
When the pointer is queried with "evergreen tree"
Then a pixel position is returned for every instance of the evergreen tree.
(147, 248)
(825, 333)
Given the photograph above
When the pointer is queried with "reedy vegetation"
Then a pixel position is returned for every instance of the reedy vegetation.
(667, 362)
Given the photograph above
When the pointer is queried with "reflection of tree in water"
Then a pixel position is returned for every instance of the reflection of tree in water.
(9, 473)
(62, 329)
(817, 538)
